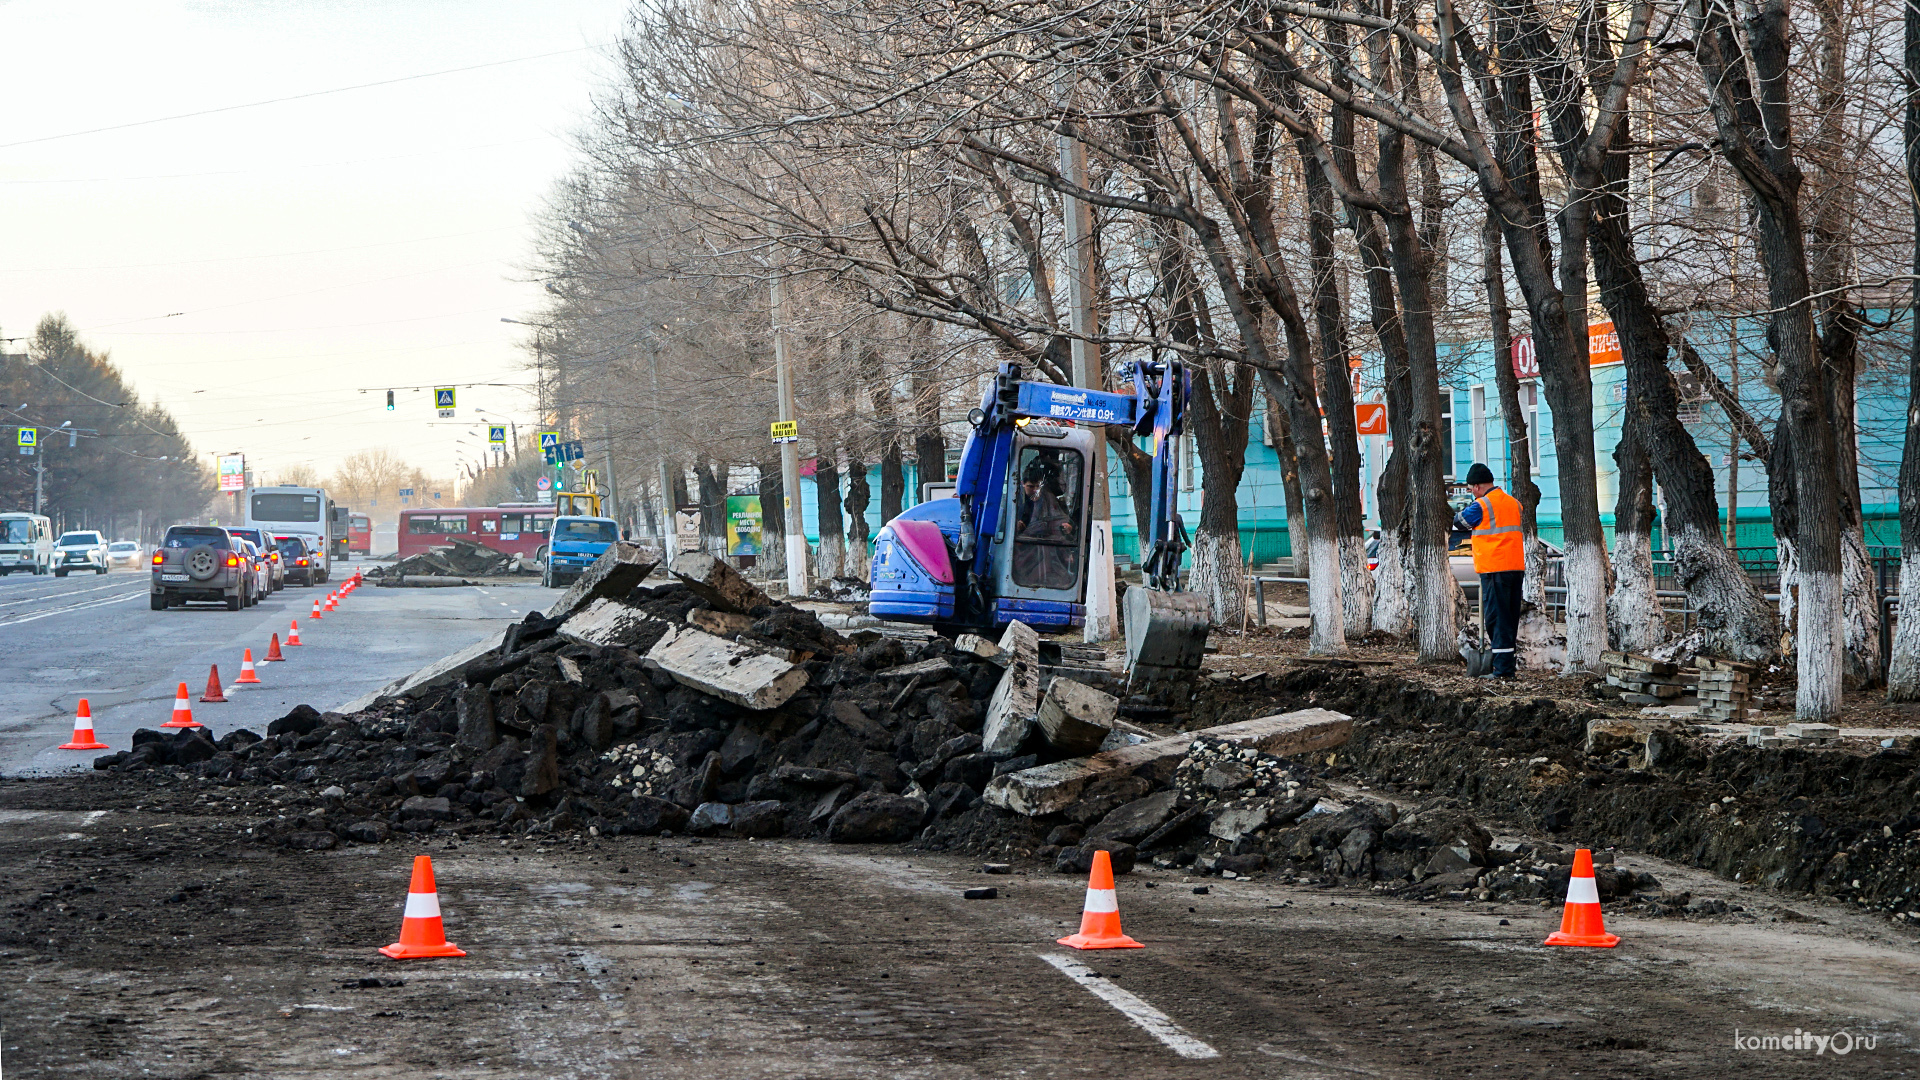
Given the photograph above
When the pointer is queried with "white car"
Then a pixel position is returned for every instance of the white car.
(123, 553)
(80, 551)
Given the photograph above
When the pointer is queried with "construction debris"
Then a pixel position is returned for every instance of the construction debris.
(462, 558)
(1724, 693)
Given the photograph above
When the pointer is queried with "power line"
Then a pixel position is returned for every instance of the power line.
(295, 97)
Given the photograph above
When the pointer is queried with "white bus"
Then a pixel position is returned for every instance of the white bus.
(295, 511)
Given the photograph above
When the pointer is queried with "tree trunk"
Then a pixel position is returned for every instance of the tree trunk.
(1290, 486)
(713, 508)
(893, 482)
(1393, 576)
(1634, 621)
(1336, 394)
(830, 558)
(858, 537)
(1903, 672)
(1137, 465)
(1754, 122)
(772, 562)
(1217, 420)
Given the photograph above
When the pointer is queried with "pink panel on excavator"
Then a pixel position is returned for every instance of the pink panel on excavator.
(923, 541)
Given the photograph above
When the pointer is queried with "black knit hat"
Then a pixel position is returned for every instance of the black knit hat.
(1479, 474)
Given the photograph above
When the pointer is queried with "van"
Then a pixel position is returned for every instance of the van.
(26, 543)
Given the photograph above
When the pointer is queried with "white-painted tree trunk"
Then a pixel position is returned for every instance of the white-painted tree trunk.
(1861, 612)
(1538, 644)
(830, 556)
(1788, 565)
(1587, 586)
(1439, 603)
(1634, 620)
(1219, 575)
(1903, 673)
(1329, 635)
(1356, 586)
(1820, 645)
(856, 561)
(1392, 587)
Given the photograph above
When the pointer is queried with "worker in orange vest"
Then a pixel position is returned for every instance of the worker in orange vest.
(1500, 558)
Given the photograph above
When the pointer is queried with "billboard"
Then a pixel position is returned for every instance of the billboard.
(233, 472)
(743, 524)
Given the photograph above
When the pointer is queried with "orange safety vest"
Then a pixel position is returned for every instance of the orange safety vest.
(1497, 543)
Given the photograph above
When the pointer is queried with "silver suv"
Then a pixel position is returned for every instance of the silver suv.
(201, 562)
(80, 551)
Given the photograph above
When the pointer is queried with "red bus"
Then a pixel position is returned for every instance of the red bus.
(359, 534)
(515, 528)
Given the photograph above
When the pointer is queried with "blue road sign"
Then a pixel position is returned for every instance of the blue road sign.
(443, 397)
(497, 433)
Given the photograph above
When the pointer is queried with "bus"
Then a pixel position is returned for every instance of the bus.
(295, 511)
(359, 534)
(513, 528)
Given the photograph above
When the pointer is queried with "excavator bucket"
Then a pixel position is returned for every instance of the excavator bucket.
(1166, 634)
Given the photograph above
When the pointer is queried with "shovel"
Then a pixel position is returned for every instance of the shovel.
(1479, 653)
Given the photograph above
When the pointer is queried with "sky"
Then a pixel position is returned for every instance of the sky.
(254, 269)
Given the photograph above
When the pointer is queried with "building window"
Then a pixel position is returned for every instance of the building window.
(1530, 410)
(1446, 432)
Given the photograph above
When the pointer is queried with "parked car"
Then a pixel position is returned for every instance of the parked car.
(302, 566)
(201, 563)
(81, 550)
(575, 543)
(123, 553)
(270, 553)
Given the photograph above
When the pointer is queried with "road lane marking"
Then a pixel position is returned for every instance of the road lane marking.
(16, 620)
(1146, 1017)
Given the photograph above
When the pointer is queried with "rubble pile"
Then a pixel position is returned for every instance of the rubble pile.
(465, 558)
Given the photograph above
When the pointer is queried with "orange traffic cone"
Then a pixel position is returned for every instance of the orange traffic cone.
(421, 933)
(183, 711)
(83, 731)
(1580, 923)
(273, 651)
(293, 635)
(213, 692)
(246, 670)
(315, 616)
(1100, 919)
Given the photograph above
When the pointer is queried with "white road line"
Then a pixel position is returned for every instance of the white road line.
(16, 621)
(1149, 1019)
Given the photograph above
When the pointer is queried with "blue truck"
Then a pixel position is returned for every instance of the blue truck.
(573, 546)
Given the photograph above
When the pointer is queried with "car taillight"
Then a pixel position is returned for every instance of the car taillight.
(303, 562)
(158, 558)
(233, 560)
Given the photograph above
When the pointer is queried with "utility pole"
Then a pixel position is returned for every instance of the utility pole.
(669, 536)
(613, 489)
(789, 451)
(39, 477)
(1081, 319)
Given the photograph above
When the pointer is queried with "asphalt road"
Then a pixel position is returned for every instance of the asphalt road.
(94, 637)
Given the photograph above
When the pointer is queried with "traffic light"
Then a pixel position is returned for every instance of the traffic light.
(389, 401)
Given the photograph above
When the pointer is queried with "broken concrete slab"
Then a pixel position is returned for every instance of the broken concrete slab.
(611, 622)
(1075, 717)
(1017, 698)
(719, 584)
(932, 670)
(975, 645)
(1240, 818)
(728, 670)
(1048, 789)
(612, 575)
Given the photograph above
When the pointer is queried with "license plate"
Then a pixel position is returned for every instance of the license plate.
(173, 577)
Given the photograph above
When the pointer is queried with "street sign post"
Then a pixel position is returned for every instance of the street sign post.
(443, 400)
(27, 438)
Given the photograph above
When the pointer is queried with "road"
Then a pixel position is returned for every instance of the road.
(155, 941)
(94, 637)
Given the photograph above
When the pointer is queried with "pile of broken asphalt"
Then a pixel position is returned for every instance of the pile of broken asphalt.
(696, 705)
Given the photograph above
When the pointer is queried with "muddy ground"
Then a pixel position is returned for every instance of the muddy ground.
(142, 937)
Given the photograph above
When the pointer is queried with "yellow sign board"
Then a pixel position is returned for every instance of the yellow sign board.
(786, 431)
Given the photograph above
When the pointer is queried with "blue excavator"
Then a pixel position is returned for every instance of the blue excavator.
(1012, 544)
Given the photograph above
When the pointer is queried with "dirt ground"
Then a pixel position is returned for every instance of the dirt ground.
(143, 936)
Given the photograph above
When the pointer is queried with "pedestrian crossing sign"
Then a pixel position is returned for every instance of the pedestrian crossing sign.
(496, 433)
(549, 440)
(28, 437)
